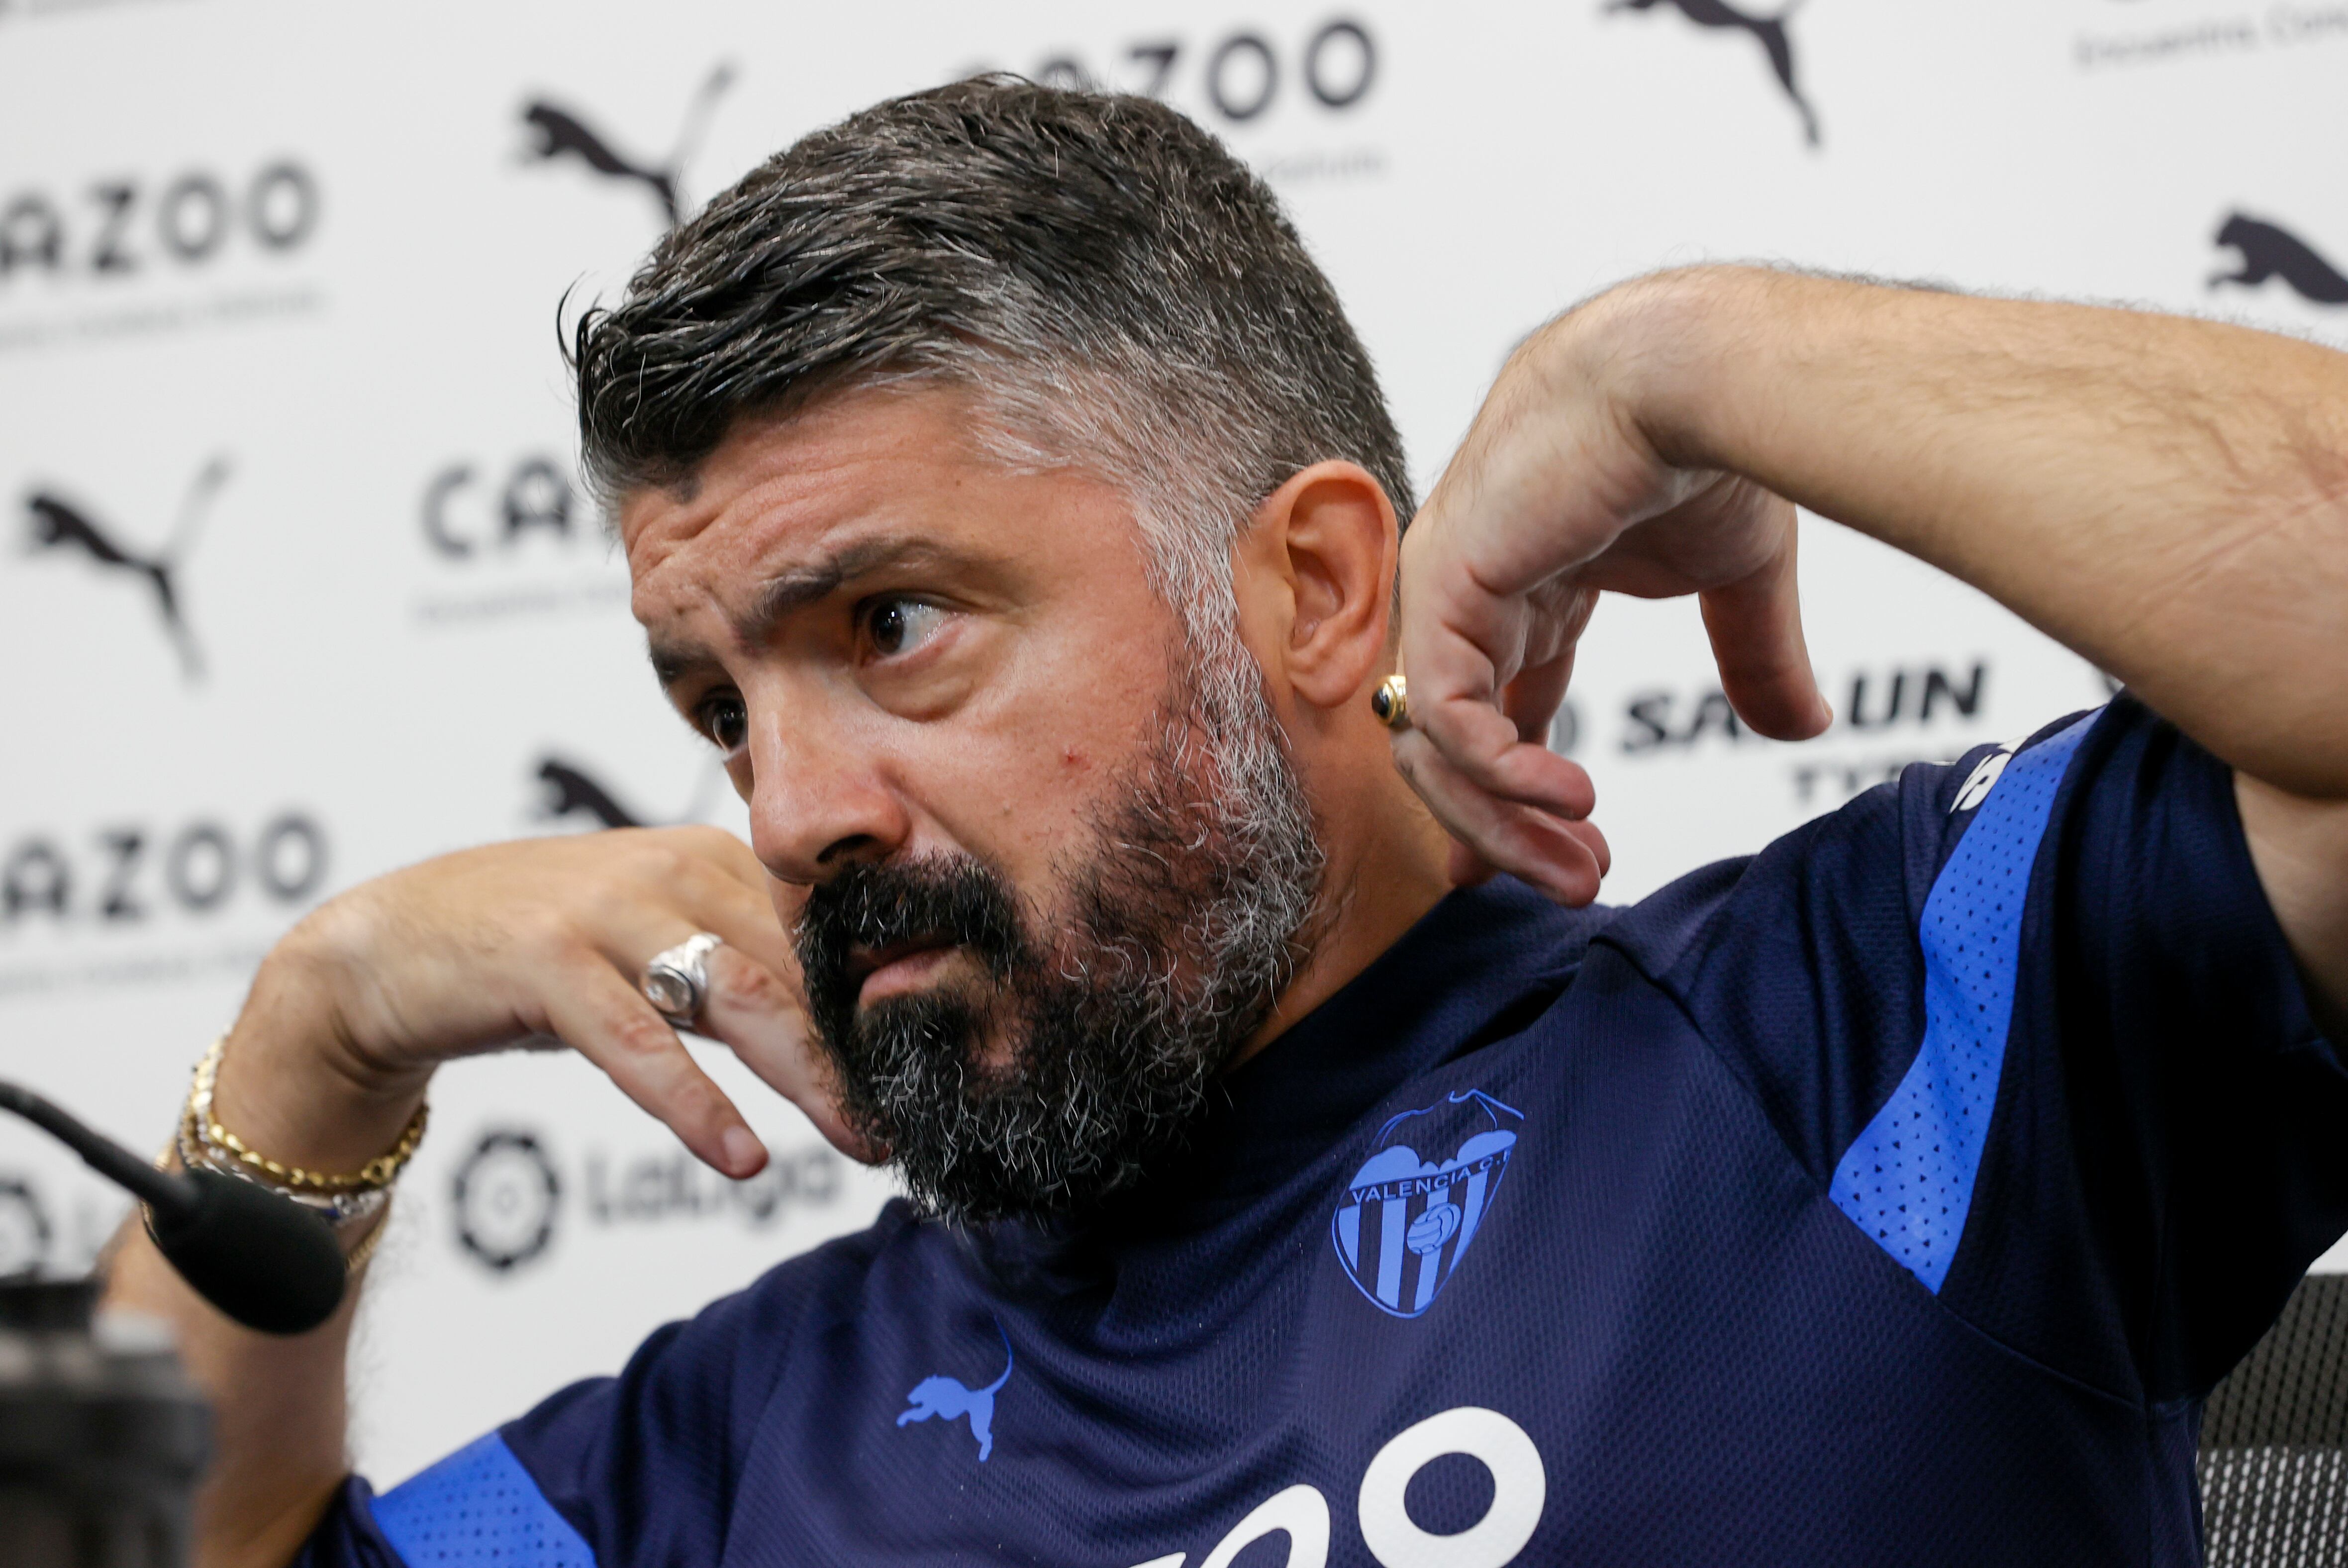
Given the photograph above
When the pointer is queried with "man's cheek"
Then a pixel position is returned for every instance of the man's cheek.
(1020, 825)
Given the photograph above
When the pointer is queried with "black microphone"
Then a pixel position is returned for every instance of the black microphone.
(265, 1260)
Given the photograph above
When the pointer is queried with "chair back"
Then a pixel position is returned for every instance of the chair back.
(2274, 1441)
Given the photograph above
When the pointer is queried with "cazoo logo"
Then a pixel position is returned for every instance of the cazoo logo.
(1242, 73)
(130, 225)
(511, 534)
(472, 512)
(125, 874)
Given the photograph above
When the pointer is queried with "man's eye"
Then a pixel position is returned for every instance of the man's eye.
(900, 625)
(725, 720)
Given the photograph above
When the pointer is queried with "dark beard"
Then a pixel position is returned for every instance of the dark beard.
(1183, 922)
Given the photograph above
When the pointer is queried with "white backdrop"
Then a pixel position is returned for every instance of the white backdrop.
(278, 294)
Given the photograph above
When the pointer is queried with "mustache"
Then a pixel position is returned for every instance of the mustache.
(1089, 1048)
(943, 898)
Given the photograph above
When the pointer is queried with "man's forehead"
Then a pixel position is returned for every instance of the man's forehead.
(786, 512)
(771, 481)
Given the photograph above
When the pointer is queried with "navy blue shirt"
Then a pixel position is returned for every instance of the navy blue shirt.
(1895, 1195)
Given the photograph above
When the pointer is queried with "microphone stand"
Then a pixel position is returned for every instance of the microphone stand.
(102, 1436)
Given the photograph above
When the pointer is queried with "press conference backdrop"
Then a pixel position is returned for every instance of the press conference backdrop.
(299, 584)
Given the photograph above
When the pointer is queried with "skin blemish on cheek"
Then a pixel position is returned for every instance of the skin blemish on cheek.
(1072, 757)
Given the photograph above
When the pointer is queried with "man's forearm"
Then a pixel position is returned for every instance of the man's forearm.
(278, 1412)
(278, 1403)
(2168, 497)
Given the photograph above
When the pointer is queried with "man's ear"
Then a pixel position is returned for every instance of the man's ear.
(1316, 576)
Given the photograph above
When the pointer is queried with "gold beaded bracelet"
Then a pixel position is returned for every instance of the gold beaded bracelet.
(342, 1214)
(219, 1145)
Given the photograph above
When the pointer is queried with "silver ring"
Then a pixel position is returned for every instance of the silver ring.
(677, 982)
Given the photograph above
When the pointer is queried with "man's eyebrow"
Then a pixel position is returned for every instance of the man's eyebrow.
(672, 662)
(806, 585)
(801, 586)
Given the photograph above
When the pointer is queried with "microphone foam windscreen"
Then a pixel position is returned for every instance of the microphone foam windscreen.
(266, 1261)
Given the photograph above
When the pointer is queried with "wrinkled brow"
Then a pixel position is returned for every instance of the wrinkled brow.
(808, 583)
(813, 582)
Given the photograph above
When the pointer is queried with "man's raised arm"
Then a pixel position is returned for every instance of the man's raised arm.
(2168, 497)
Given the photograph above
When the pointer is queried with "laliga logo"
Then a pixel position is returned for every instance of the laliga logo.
(1241, 73)
(59, 525)
(505, 1197)
(562, 133)
(1769, 32)
(1406, 1222)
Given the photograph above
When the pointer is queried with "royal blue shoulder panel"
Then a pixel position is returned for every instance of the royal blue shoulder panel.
(1908, 1181)
(478, 1508)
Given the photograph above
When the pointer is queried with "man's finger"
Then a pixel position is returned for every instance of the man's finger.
(743, 918)
(761, 1017)
(1561, 858)
(724, 851)
(1483, 743)
(1532, 699)
(602, 1017)
(1755, 627)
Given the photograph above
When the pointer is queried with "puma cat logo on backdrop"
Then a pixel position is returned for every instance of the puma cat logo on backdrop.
(1769, 32)
(59, 525)
(572, 790)
(569, 789)
(2270, 251)
(951, 1398)
(562, 132)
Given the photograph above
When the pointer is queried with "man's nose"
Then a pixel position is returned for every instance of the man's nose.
(819, 799)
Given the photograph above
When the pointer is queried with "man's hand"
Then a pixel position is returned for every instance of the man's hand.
(1556, 495)
(2168, 497)
(536, 943)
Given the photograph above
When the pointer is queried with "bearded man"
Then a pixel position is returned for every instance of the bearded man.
(1298, 1160)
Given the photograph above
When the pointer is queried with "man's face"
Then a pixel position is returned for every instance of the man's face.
(1046, 861)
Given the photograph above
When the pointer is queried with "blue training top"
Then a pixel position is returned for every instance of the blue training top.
(1893, 1196)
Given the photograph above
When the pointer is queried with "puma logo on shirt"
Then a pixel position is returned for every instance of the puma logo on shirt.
(951, 1398)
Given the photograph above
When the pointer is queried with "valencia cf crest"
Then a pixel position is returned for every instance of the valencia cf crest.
(1405, 1219)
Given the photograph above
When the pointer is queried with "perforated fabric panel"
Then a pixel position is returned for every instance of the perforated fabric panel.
(478, 1508)
(2274, 1441)
(1907, 1181)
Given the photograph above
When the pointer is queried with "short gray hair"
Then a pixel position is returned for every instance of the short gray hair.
(1117, 289)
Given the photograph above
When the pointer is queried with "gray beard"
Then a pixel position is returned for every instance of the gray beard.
(1189, 911)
